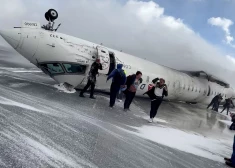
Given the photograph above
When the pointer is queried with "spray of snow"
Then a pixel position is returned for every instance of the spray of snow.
(188, 142)
(61, 87)
(227, 122)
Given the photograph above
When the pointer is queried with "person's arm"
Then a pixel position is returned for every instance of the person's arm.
(112, 74)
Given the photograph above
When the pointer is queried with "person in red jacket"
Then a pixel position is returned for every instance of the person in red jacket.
(156, 94)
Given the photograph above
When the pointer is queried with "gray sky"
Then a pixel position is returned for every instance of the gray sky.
(136, 27)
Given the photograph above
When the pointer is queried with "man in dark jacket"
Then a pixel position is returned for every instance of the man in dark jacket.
(156, 95)
(132, 84)
(227, 104)
(92, 78)
(217, 103)
(119, 79)
(214, 100)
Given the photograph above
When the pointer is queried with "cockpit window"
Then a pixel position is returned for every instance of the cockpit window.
(75, 68)
(53, 68)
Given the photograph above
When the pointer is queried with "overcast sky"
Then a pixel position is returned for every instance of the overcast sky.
(181, 34)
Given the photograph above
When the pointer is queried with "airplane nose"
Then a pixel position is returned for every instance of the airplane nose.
(12, 36)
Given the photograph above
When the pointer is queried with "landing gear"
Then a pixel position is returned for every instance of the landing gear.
(51, 15)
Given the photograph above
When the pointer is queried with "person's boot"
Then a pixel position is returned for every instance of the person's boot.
(228, 159)
(150, 120)
(81, 95)
(92, 97)
(229, 164)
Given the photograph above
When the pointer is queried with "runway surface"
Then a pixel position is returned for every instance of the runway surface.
(43, 127)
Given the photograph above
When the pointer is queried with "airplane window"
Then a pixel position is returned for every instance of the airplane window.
(192, 88)
(53, 68)
(75, 68)
(103, 51)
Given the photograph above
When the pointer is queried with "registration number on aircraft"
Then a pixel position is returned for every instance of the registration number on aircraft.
(30, 24)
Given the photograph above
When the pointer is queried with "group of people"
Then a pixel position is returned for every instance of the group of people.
(216, 102)
(228, 102)
(127, 85)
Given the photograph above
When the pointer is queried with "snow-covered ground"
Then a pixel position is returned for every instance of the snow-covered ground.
(41, 126)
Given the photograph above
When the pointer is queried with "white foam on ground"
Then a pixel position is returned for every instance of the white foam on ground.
(25, 71)
(18, 70)
(9, 102)
(18, 85)
(62, 88)
(188, 142)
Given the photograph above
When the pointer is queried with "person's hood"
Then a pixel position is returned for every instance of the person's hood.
(119, 66)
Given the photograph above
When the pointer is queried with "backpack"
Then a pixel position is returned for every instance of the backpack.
(118, 77)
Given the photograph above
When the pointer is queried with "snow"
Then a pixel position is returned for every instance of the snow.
(9, 102)
(62, 88)
(44, 151)
(227, 122)
(26, 71)
(184, 141)
(18, 85)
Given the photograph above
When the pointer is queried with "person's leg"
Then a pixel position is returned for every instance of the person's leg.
(216, 107)
(92, 90)
(85, 88)
(228, 109)
(132, 95)
(113, 94)
(127, 100)
(223, 109)
(158, 103)
(210, 104)
(153, 109)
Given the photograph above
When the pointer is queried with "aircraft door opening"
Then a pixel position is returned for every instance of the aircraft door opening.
(103, 55)
(209, 91)
(112, 64)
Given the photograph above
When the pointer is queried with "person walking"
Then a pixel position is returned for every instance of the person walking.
(227, 104)
(120, 93)
(214, 100)
(217, 103)
(92, 78)
(132, 84)
(156, 94)
(119, 79)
